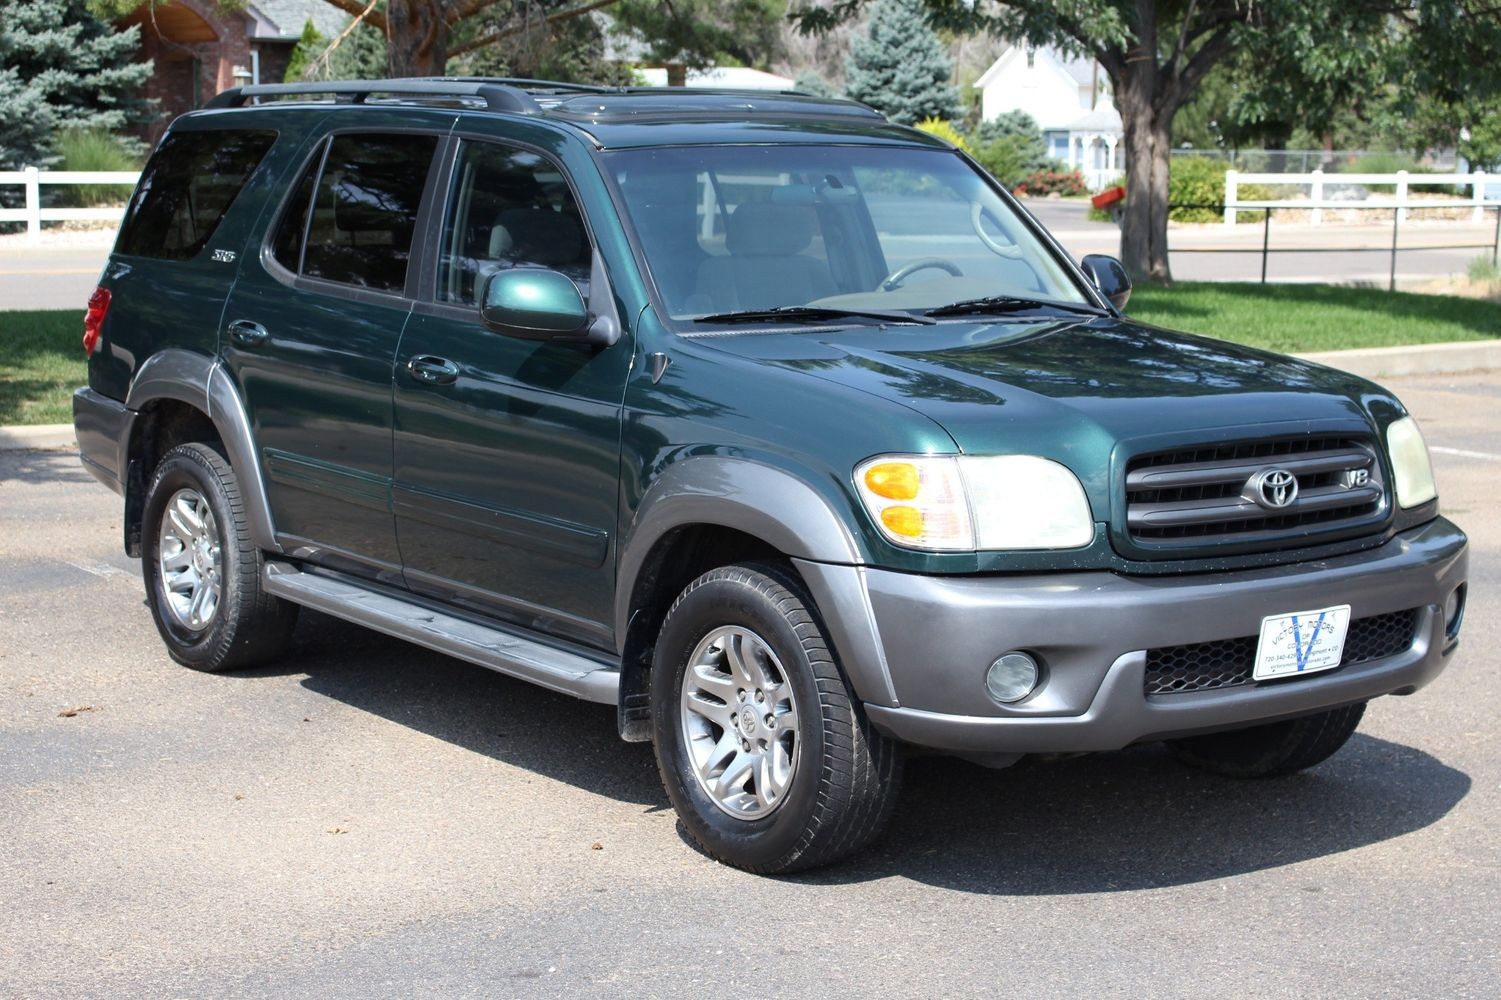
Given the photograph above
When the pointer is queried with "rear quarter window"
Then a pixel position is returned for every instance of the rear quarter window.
(192, 180)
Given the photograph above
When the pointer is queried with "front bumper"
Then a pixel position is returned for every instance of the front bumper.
(103, 426)
(917, 655)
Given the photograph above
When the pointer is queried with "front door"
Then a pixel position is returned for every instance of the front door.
(311, 333)
(508, 450)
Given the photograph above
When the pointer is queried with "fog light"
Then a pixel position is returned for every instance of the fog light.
(1011, 678)
(1454, 612)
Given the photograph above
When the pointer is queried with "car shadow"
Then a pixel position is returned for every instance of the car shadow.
(1135, 819)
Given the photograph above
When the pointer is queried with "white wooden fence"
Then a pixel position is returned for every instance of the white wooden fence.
(33, 214)
(1317, 182)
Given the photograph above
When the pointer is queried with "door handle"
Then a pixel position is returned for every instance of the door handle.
(432, 370)
(248, 333)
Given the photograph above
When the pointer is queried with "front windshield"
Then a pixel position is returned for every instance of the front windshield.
(729, 229)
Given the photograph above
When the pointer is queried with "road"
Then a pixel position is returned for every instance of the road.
(365, 818)
(62, 277)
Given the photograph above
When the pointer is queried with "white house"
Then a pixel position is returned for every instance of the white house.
(1070, 100)
(727, 77)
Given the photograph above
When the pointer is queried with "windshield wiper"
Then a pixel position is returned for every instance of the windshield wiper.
(810, 314)
(1008, 303)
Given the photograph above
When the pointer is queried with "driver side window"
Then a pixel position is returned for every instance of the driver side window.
(508, 208)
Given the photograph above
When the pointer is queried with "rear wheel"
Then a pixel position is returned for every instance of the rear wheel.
(762, 746)
(1272, 750)
(202, 571)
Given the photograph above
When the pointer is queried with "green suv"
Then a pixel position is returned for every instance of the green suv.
(781, 428)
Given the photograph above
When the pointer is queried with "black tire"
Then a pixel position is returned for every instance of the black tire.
(248, 626)
(848, 775)
(1273, 750)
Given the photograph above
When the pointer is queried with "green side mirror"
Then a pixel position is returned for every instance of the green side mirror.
(534, 303)
(1109, 277)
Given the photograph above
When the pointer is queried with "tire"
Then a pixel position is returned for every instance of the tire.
(205, 537)
(1273, 750)
(839, 782)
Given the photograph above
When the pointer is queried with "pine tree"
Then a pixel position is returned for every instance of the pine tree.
(900, 68)
(63, 68)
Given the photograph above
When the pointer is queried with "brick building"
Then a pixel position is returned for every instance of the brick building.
(199, 49)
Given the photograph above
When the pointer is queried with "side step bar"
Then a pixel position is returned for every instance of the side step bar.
(504, 652)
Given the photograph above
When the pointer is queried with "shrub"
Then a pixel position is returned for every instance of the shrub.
(95, 149)
(810, 82)
(944, 130)
(1065, 183)
(1200, 180)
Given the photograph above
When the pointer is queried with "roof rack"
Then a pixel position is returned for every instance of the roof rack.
(497, 95)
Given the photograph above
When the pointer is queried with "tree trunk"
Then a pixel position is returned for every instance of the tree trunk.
(1148, 147)
(417, 44)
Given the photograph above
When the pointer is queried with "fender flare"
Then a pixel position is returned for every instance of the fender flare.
(202, 382)
(742, 494)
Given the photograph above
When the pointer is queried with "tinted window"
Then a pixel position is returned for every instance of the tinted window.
(365, 209)
(855, 227)
(509, 208)
(286, 246)
(185, 190)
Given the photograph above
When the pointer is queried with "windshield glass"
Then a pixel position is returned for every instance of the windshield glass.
(728, 229)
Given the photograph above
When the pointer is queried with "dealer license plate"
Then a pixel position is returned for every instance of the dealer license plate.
(1301, 643)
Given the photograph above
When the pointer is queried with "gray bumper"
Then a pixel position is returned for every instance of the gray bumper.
(102, 426)
(917, 647)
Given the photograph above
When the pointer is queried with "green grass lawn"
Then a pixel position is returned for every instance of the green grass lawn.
(1314, 317)
(41, 363)
(41, 358)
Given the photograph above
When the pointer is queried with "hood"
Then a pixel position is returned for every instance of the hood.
(1083, 392)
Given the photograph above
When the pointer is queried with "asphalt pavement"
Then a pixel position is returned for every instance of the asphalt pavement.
(365, 818)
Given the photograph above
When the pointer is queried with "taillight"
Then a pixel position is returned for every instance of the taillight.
(93, 320)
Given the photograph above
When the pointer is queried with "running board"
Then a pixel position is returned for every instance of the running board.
(504, 652)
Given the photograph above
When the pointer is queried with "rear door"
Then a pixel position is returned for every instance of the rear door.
(507, 470)
(175, 259)
(311, 331)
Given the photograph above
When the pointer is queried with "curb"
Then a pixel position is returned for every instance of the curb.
(1419, 359)
(37, 437)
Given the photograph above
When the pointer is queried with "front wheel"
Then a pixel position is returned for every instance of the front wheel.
(763, 749)
(1272, 750)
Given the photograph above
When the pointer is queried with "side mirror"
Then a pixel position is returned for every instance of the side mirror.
(535, 303)
(1109, 277)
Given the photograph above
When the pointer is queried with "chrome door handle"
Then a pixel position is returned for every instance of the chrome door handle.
(432, 370)
(248, 333)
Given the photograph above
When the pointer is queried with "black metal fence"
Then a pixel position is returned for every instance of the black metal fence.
(1395, 247)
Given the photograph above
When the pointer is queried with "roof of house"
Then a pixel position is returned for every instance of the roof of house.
(1104, 118)
(287, 17)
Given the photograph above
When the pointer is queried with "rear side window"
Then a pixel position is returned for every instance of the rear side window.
(187, 188)
(364, 210)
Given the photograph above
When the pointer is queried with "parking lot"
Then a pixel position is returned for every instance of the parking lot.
(366, 818)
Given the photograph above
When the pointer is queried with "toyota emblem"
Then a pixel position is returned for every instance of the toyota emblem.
(1274, 489)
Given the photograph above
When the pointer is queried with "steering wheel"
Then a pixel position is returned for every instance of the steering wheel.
(894, 280)
(1011, 250)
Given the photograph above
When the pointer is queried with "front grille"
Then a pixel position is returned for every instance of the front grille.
(1204, 666)
(1208, 493)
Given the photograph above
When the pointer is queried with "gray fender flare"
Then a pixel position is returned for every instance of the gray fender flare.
(201, 381)
(786, 513)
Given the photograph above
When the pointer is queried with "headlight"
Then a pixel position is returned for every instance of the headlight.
(964, 503)
(1410, 463)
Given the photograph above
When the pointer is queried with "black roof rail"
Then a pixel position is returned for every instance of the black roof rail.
(498, 96)
(528, 84)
